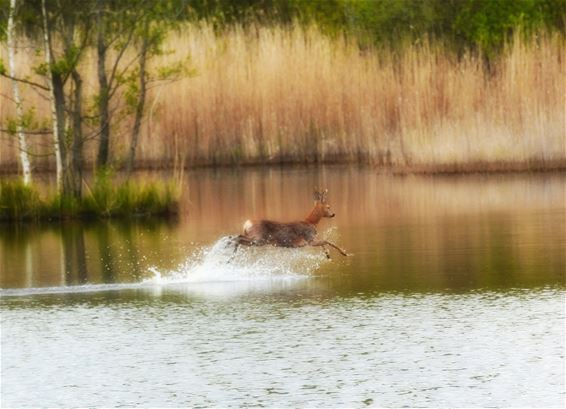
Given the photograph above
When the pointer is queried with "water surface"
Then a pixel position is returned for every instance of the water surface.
(453, 296)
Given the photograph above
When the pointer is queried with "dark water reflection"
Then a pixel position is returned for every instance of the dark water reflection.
(77, 253)
(406, 233)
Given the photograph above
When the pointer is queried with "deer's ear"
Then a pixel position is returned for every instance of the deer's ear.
(316, 195)
(323, 196)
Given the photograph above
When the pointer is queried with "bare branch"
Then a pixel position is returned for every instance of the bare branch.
(113, 89)
(24, 81)
(119, 57)
(158, 83)
(42, 132)
(39, 94)
(9, 98)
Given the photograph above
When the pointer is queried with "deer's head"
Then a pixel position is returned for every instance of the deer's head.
(320, 203)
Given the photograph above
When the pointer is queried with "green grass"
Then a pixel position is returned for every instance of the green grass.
(104, 199)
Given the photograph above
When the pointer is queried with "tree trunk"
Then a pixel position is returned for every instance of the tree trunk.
(57, 86)
(77, 146)
(103, 101)
(141, 100)
(57, 110)
(22, 143)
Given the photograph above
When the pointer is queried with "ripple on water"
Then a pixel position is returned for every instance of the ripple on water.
(477, 349)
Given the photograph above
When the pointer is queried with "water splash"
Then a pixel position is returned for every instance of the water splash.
(218, 263)
(213, 271)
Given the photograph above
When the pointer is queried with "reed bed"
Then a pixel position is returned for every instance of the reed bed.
(272, 94)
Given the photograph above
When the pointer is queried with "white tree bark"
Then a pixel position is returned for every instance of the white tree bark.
(48, 61)
(22, 143)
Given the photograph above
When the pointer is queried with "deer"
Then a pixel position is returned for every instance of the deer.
(295, 234)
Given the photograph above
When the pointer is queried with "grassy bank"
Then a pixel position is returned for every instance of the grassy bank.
(105, 199)
(275, 94)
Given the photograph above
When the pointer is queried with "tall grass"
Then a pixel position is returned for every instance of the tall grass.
(275, 94)
(105, 199)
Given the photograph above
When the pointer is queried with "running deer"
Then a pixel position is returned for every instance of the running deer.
(295, 234)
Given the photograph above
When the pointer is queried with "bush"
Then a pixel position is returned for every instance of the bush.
(18, 201)
(106, 199)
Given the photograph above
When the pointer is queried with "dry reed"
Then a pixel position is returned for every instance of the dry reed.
(274, 94)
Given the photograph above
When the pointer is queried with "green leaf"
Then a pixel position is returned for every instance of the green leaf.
(41, 69)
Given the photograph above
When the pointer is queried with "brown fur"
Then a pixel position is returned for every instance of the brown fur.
(294, 234)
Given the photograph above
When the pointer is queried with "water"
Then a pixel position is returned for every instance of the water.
(453, 296)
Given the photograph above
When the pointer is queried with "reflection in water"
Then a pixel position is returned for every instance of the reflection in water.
(454, 296)
(405, 233)
(105, 252)
(74, 253)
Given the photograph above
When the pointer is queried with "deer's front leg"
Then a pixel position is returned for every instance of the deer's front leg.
(337, 248)
(302, 243)
(323, 243)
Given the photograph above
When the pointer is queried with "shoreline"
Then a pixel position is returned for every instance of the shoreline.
(535, 166)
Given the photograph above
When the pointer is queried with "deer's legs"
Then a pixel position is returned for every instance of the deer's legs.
(246, 241)
(243, 240)
(237, 241)
(337, 248)
(323, 243)
(320, 244)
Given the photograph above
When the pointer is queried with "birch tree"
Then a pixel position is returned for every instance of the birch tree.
(22, 143)
(126, 36)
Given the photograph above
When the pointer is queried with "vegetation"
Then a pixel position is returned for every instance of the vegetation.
(413, 85)
(271, 95)
(64, 33)
(484, 25)
(293, 94)
(106, 199)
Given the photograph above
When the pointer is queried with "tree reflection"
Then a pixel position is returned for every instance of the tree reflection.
(105, 256)
(406, 234)
(76, 253)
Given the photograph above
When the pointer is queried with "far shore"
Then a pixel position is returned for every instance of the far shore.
(294, 95)
(538, 166)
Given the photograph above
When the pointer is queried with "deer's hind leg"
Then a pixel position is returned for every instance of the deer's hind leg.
(239, 240)
(246, 241)
(242, 240)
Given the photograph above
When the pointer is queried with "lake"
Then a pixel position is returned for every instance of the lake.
(453, 295)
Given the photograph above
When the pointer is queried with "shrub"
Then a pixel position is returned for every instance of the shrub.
(106, 199)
